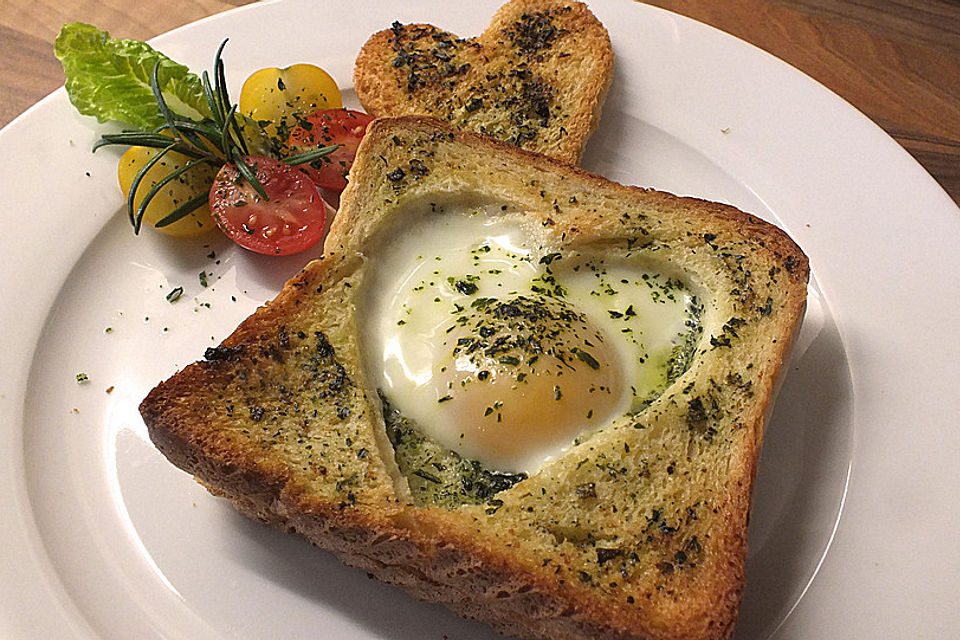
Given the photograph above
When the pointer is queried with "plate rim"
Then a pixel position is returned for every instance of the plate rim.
(935, 198)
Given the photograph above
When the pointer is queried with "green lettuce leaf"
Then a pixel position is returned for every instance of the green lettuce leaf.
(109, 78)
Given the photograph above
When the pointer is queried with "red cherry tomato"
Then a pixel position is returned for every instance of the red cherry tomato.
(324, 128)
(291, 221)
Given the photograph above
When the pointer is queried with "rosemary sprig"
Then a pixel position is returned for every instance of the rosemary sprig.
(310, 156)
(249, 174)
(135, 185)
(212, 141)
(187, 207)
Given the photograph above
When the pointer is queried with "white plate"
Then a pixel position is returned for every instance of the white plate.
(855, 522)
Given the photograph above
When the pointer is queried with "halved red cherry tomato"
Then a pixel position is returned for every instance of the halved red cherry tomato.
(291, 221)
(324, 128)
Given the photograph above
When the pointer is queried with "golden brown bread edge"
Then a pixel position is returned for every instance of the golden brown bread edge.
(461, 561)
(547, 63)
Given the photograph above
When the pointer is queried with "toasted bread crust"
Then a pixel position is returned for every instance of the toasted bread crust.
(537, 77)
(667, 563)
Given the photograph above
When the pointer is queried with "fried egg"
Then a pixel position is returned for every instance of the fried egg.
(506, 350)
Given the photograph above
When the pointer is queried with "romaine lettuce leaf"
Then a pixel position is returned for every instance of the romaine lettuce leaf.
(109, 78)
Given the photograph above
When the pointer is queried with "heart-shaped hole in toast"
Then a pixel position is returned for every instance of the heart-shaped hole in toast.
(496, 346)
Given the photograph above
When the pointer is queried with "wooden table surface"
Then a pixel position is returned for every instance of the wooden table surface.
(898, 61)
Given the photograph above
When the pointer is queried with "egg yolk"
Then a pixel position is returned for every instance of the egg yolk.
(525, 376)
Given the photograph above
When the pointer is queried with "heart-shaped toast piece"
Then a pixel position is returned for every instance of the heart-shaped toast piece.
(536, 78)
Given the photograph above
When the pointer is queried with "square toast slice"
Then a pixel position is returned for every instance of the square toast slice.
(639, 531)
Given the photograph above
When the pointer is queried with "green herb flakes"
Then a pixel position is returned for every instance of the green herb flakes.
(175, 294)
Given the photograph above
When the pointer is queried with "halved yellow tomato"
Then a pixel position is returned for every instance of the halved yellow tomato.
(276, 97)
(190, 184)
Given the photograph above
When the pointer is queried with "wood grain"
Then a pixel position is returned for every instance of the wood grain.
(898, 61)
(870, 54)
(929, 22)
(29, 27)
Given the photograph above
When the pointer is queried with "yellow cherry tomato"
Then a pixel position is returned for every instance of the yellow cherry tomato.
(194, 182)
(276, 97)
